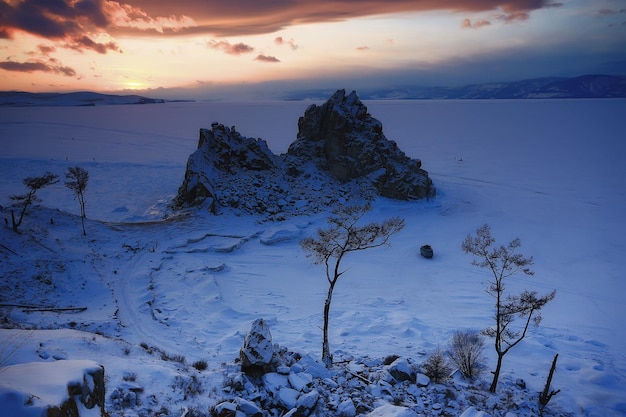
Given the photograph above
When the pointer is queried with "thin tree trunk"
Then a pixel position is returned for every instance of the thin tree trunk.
(496, 373)
(546, 395)
(13, 224)
(81, 200)
(327, 358)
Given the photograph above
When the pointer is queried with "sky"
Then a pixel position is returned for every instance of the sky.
(205, 48)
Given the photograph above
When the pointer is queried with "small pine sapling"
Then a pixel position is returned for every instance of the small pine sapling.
(436, 367)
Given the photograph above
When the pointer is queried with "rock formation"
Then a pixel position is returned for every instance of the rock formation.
(343, 138)
(340, 154)
(257, 351)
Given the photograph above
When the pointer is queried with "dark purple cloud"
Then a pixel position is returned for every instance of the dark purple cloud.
(81, 43)
(60, 19)
(35, 66)
(53, 19)
(246, 17)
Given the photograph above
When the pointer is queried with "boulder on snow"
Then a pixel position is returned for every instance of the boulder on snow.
(401, 370)
(389, 410)
(226, 409)
(60, 388)
(422, 380)
(307, 402)
(257, 350)
(340, 153)
(346, 408)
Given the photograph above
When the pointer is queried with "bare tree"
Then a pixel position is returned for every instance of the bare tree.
(22, 201)
(77, 179)
(343, 236)
(503, 262)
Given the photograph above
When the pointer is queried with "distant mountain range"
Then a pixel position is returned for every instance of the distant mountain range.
(83, 98)
(585, 86)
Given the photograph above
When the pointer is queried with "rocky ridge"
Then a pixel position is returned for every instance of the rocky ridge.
(340, 153)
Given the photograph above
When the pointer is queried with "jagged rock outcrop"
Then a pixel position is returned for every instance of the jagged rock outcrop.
(342, 137)
(340, 154)
(221, 153)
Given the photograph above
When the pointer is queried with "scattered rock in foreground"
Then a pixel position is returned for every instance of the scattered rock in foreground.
(291, 384)
(340, 154)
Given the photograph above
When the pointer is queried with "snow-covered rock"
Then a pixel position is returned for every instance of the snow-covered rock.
(346, 408)
(226, 409)
(300, 381)
(307, 401)
(340, 153)
(422, 380)
(287, 397)
(273, 382)
(64, 388)
(473, 412)
(248, 407)
(401, 370)
(389, 410)
(257, 350)
(282, 234)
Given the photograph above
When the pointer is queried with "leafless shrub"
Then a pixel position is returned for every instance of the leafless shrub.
(200, 365)
(466, 352)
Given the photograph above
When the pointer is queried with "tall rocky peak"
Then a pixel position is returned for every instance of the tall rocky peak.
(342, 137)
(340, 154)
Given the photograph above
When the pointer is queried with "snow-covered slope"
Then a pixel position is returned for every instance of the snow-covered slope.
(163, 290)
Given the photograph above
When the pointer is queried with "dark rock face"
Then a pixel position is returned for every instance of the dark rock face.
(342, 137)
(340, 154)
(221, 152)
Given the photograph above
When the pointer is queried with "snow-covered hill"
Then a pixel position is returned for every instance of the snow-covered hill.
(83, 98)
(166, 291)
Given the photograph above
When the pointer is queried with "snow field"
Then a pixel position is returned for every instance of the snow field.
(549, 172)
